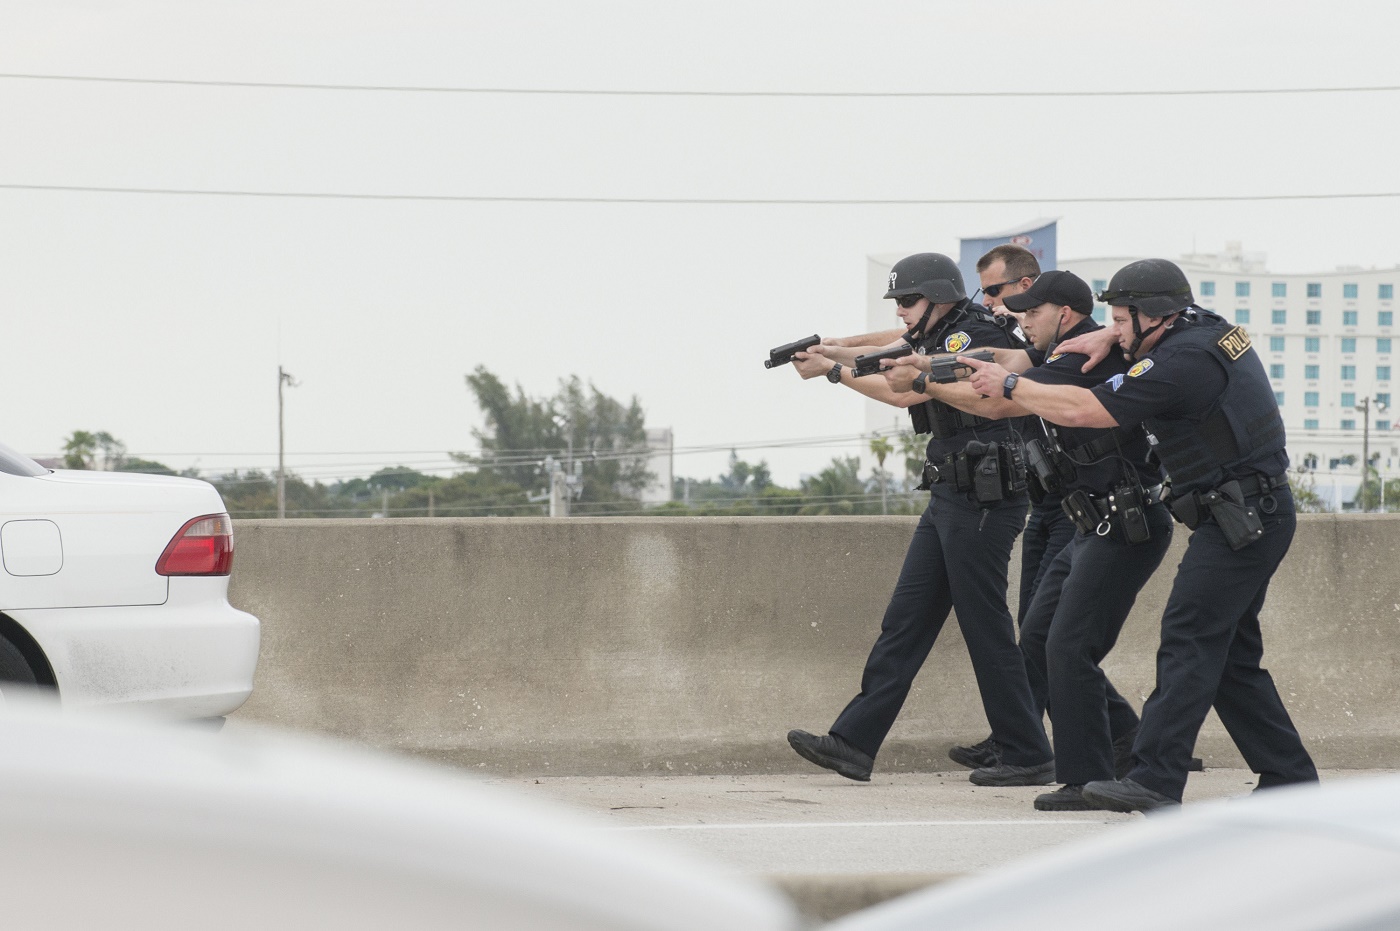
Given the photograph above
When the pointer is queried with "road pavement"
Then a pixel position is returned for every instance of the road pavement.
(837, 844)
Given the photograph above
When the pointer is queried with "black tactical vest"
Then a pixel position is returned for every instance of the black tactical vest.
(943, 421)
(1241, 432)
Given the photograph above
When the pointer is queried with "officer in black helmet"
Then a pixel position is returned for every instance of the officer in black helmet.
(958, 557)
(1199, 387)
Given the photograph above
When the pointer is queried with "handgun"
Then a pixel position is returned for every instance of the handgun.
(783, 354)
(869, 363)
(946, 371)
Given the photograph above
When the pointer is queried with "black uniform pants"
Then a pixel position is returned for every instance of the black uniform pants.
(1073, 623)
(957, 560)
(1210, 653)
(1047, 531)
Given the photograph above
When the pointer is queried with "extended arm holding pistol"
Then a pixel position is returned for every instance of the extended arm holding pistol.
(783, 354)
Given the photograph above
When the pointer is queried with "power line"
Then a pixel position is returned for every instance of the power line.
(733, 201)
(602, 92)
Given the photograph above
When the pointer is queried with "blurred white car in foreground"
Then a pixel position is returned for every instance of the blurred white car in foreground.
(1321, 859)
(114, 591)
(108, 824)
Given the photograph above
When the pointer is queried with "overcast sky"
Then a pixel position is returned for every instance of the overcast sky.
(162, 319)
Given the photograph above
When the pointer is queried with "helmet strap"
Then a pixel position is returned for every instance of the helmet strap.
(1138, 335)
(917, 330)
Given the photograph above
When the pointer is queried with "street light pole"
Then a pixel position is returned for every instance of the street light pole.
(1365, 408)
(283, 378)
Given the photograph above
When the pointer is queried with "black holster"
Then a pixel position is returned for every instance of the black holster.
(1239, 523)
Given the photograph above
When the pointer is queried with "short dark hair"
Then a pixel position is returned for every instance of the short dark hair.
(1020, 262)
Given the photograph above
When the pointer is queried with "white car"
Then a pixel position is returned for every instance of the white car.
(114, 591)
(1297, 859)
(112, 824)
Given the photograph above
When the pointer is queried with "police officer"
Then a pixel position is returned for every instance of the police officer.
(958, 557)
(1006, 271)
(1111, 497)
(1199, 387)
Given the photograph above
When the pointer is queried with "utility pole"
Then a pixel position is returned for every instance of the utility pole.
(1365, 408)
(283, 378)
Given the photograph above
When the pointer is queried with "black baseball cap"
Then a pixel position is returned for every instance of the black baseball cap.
(1065, 289)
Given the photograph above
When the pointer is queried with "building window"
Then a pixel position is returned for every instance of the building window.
(1387, 292)
(1207, 289)
(1348, 425)
(1383, 344)
(1312, 344)
(1310, 372)
(1099, 285)
(1314, 289)
(1348, 399)
(1348, 318)
(1098, 313)
(1310, 400)
(1385, 317)
(1310, 424)
(1241, 289)
(1314, 318)
(1280, 289)
(1276, 370)
(1382, 424)
(1383, 398)
(1280, 317)
(1382, 373)
(1275, 344)
(1348, 344)
(1278, 398)
(1242, 315)
(1349, 292)
(1348, 373)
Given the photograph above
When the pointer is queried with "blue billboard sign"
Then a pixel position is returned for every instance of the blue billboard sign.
(1037, 236)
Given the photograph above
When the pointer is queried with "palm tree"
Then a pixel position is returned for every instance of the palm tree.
(880, 447)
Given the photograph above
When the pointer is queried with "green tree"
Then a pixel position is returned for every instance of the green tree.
(606, 436)
(837, 489)
(1305, 497)
(84, 449)
(880, 448)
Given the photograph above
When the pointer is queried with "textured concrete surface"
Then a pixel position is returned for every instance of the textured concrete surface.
(836, 846)
(691, 645)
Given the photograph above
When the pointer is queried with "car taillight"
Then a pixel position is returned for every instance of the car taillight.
(204, 546)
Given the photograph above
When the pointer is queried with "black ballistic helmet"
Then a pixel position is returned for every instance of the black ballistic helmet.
(1155, 287)
(931, 274)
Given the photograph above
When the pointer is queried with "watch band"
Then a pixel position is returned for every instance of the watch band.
(834, 375)
(1009, 385)
(921, 383)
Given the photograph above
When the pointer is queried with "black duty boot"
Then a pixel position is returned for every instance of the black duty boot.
(1065, 798)
(833, 753)
(978, 756)
(1125, 795)
(1004, 774)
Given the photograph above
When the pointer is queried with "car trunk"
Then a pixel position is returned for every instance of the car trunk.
(84, 539)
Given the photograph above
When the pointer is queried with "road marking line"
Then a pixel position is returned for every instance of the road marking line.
(851, 824)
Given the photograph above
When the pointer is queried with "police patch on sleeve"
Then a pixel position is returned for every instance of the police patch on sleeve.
(1139, 368)
(1116, 381)
(1058, 355)
(957, 342)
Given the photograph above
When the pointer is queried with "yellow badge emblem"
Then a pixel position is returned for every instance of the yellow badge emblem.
(957, 342)
(1058, 355)
(1235, 343)
(1138, 369)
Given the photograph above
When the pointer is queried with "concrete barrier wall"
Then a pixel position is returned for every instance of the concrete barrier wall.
(620, 646)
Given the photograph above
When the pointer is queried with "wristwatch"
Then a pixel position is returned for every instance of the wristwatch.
(834, 376)
(921, 383)
(1009, 385)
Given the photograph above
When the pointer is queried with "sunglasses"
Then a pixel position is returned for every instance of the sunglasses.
(908, 300)
(992, 290)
